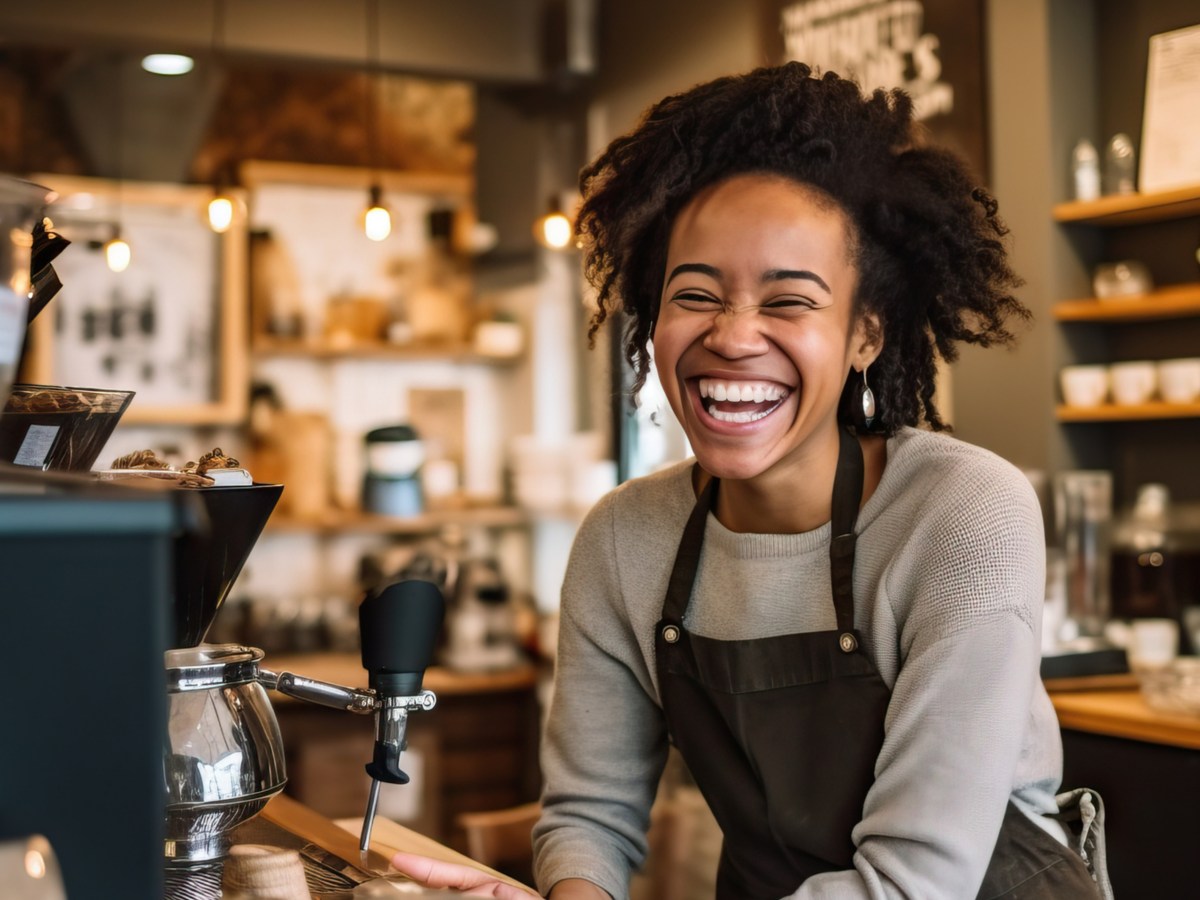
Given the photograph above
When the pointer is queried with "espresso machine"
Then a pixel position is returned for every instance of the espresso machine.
(223, 756)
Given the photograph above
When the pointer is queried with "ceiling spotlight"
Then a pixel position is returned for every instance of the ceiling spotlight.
(167, 63)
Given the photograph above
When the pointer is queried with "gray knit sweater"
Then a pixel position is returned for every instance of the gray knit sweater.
(948, 586)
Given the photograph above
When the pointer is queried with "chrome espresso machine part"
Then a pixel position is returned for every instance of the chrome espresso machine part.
(223, 758)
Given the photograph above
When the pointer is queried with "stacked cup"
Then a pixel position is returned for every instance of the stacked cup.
(1179, 380)
(1132, 383)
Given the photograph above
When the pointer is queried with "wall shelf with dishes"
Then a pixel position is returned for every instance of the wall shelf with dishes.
(1132, 353)
(351, 338)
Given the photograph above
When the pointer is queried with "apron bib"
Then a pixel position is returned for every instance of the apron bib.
(781, 734)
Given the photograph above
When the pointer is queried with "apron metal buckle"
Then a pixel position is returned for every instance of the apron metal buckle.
(848, 642)
(670, 634)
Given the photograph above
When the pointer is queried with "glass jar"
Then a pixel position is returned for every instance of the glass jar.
(1083, 512)
(1156, 562)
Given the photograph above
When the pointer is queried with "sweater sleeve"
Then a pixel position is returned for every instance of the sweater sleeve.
(605, 741)
(960, 704)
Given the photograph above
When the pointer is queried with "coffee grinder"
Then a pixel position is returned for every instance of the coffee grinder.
(223, 756)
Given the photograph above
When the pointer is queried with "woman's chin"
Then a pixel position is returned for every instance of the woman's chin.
(730, 466)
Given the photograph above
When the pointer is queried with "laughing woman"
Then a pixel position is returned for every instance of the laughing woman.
(833, 611)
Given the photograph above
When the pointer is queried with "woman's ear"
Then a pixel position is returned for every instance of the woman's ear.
(868, 340)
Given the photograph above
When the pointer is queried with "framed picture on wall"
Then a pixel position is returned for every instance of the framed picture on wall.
(933, 49)
(171, 326)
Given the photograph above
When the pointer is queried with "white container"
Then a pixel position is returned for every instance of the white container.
(1153, 643)
(1084, 385)
(1179, 380)
(1085, 166)
(503, 340)
(1133, 382)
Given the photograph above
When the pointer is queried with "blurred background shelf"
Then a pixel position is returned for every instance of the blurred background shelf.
(1130, 209)
(1174, 302)
(1141, 412)
(446, 352)
(344, 522)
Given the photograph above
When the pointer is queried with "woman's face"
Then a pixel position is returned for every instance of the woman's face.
(754, 336)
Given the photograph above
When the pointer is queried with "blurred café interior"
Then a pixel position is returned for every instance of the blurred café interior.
(332, 243)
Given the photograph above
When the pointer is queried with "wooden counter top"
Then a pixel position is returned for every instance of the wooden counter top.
(346, 669)
(1121, 712)
(341, 838)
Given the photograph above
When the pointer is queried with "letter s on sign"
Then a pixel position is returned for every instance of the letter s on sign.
(925, 58)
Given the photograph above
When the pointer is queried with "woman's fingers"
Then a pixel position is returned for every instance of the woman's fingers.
(437, 874)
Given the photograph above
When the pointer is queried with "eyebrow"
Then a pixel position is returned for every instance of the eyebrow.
(769, 275)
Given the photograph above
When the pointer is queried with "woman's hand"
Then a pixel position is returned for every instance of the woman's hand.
(437, 874)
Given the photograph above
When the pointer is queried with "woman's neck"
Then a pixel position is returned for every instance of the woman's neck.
(796, 497)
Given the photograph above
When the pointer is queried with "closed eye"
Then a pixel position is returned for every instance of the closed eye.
(696, 302)
(788, 305)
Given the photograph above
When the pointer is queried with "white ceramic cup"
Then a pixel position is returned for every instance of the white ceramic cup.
(1179, 380)
(1153, 643)
(1133, 382)
(1084, 385)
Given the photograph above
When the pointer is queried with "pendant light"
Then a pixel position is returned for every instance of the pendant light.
(554, 229)
(223, 206)
(117, 253)
(377, 220)
(220, 211)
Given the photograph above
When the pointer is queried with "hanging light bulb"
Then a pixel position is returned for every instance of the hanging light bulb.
(377, 222)
(116, 252)
(554, 229)
(220, 213)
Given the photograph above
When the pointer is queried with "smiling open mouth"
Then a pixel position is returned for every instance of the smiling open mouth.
(740, 402)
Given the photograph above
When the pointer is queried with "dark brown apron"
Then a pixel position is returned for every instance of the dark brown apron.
(782, 733)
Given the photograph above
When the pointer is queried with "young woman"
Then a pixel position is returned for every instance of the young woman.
(833, 612)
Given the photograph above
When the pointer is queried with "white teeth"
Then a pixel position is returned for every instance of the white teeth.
(752, 392)
(739, 417)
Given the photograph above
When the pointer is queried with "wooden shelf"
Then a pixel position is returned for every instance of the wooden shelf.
(1132, 209)
(1111, 412)
(338, 522)
(457, 353)
(1174, 302)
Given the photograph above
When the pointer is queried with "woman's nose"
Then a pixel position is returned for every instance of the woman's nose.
(736, 333)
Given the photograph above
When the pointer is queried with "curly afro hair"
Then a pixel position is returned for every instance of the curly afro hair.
(926, 240)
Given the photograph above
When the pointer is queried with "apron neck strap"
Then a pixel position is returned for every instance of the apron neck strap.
(847, 497)
(687, 560)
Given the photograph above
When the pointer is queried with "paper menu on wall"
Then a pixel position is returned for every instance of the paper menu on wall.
(1171, 121)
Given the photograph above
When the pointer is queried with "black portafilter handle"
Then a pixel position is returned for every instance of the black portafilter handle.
(399, 625)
